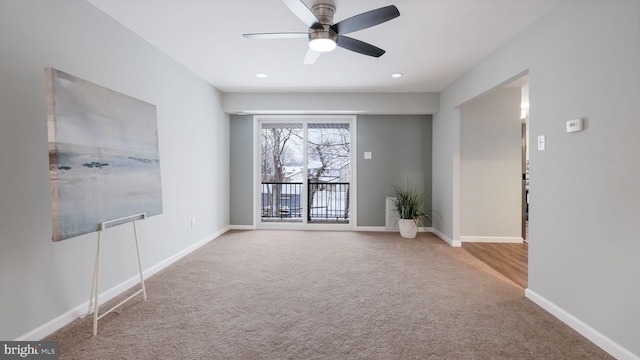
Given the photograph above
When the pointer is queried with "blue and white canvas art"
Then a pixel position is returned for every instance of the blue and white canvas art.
(103, 155)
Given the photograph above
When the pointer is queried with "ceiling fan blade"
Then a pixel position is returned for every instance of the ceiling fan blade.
(301, 11)
(290, 35)
(366, 20)
(359, 46)
(311, 56)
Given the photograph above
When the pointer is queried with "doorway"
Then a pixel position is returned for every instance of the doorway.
(495, 177)
(304, 176)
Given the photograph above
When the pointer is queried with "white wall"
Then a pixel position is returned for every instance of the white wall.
(583, 61)
(491, 168)
(40, 281)
(446, 156)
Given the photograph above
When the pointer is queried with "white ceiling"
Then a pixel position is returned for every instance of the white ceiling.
(432, 43)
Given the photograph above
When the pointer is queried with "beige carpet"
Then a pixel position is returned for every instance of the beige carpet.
(327, 295)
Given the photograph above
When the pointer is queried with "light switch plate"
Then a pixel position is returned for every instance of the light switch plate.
(367, 155)
(542, 143)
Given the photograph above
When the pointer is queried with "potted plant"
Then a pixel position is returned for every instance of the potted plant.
(408, 202)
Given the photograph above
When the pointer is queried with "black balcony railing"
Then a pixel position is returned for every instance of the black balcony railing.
(326, 202)
(281, 200)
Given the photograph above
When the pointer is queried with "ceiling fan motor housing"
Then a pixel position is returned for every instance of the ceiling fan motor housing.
(324, 13)
(322, 30)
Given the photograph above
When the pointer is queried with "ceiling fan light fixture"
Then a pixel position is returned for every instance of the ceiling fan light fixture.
(325, 35)
(322, 45)
(322, 38)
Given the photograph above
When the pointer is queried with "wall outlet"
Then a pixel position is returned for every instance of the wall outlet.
(193, 223)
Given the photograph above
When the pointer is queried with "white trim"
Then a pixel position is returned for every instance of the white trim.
(305, 178)
(256, 170)
(353, 153)
(375, 229)
(614, 349)
(242, 227)
(422, 229)
(456, 243)
(384, 229)
(492, 239)
(303, 226)
(57, 323)
(372, 228)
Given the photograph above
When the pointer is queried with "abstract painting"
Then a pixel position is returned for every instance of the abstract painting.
(103, 155)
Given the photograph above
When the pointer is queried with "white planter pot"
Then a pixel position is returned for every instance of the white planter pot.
(408, 228)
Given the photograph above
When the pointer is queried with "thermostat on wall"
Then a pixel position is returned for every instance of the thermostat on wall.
(574, 125)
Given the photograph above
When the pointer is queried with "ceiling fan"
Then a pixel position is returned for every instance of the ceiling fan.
(324, 35)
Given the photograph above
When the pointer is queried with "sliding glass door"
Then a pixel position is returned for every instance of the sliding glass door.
(305, 171)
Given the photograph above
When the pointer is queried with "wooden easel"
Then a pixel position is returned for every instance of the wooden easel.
(94, 306)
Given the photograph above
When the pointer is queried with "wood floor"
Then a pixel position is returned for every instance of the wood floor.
(511, 260)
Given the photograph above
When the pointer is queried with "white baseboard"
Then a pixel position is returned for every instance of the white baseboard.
(357, 228)
(384, 229)
(242, 227)
(606, 344)
(374, 229)
(49, 327)
(80, 310)
(492, 239)
(446, 239)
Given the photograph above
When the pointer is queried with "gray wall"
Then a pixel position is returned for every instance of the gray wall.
(401, 147)
(491, 167)
(582, 59)
(241, 171)
(401, 152)
(42, 281)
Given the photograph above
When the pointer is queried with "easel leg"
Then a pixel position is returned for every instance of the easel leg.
(144, 291)
(93, 298)
(93, 285)
(96, 276)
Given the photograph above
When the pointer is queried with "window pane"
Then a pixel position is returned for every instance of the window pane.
(281, 166)
(328, 171)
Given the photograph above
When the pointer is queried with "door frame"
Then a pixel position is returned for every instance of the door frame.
(257, 188)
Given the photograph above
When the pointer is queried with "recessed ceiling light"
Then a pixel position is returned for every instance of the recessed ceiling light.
(261, 75)
(396, 75)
